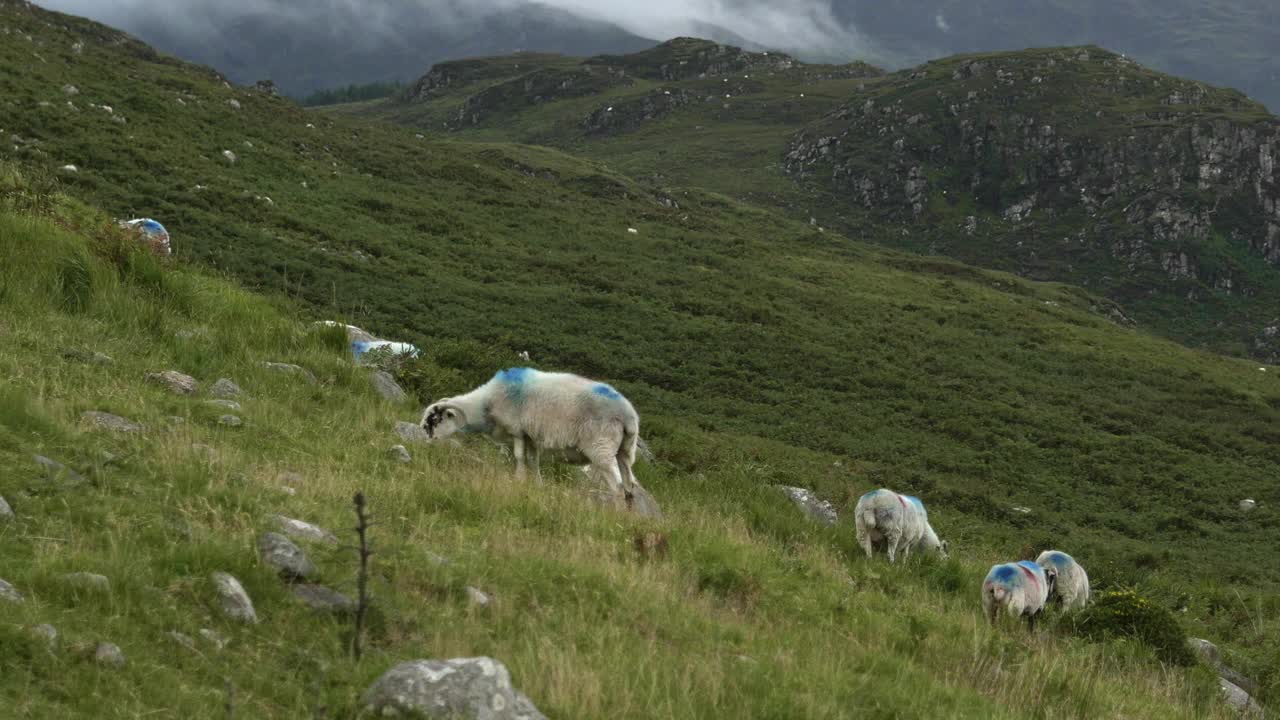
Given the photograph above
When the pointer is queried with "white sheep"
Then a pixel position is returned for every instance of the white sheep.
(899, 520)
(584, 420)
(1071, 587)
(1021, 588)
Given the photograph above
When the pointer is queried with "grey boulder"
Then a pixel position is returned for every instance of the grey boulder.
(109, 654)
(319, 597)
(400, 453)
(233, 599)
(464, 688)
(292, 370)
(6, 512)
(288, 559)
(88, 581)
(175, 381)
(412, 432)
(387, 386)
(107, 421)
(9, 592)
(303, 530)
(813, 506)
(224, 388)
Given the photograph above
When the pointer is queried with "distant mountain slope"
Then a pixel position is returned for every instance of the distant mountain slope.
(1075, 164)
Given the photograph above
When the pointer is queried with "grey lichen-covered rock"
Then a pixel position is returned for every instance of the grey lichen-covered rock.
(6, 512)
(640, 501)
(57, 472)
(223, 403)
(88, 581)
(303, 530)
(48, 633)
(1242, 701)
(1206, 650)
(473, 688)
(280, 553)
(387, 386)
(175, 382)
(812, 505)
(107, 421)
(230, 421)
(292, 370)
(412, 432)
(478, 597)
(224, 388)
(183, 640)
(234, 601)
(109, 654)
(400, 453)
(215, 638)
(319, 597)
(9, 592)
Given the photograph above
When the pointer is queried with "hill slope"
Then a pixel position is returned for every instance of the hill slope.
(759, 350)
(1075, 165)
(755, 612)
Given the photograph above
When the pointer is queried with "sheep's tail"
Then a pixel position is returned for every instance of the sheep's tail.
(993, 597)
(869, 519)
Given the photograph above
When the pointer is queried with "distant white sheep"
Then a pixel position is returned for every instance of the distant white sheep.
(899, 520)
(1071, 587)
(1020, 588)
(586, 421)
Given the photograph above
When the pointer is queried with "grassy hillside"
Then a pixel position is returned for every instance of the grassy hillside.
(759, 351)
(1073, 165)
(755, 612)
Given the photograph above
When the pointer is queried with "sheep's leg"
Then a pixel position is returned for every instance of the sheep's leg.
(892, 541)
(1031, 621)
(517, 447)
(624, 471)
(535, 456)
(864, 539)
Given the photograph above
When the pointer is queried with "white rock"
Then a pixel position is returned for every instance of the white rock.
(229, 156)
(234, 601)
(303, 530)
(1247, 504)
(400, 453)
(109, 654)
(70, 90)
(459, 688)
(9, 592)
(235, 104)
(6, 512)
(69, 169)
(478, 597)
(633, 231)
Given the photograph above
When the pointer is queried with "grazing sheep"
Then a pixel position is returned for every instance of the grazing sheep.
(586, 421)
(1021, 588)
(1071, 588)
(900, 520)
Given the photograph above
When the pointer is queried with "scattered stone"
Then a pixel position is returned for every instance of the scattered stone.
(267, 87)
(224, 404)
(107, 421)
(230, 421)
(6, 512)
(224, 388)
(229, 156)
(214, 637)
(183, 640)
(9, 592)
(294, 369)
(291, 492)
(70, 90)
(77, 47)
(478, 597)
(1021, 510)
(1247, 504)
(86, 356)
(289, 478)
(319, 597)
(109, 654)
(48, 632)
(208, 451)
(280, 553)
(88, 581)
(235, 104)
(1237, 698)
(459, 688)
(412, 432)
(69, 169)
(175, 381)
(234, 600)
(57, 471)
(387, 386)
(304, 530)
(400, 453)
(813, 506)
(1206, 650)
(188, 334)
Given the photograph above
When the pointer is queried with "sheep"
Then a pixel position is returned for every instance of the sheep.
(1071, 587)
(586, 421)
(900, 520)
(1021, 588)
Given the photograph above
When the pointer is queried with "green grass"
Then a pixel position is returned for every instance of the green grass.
(759, 350)
(755, 612)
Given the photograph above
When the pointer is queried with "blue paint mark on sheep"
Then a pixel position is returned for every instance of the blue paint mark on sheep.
(514, 381)
(1058, 559)
(606, 391)
(914, 501)
(514, 375)
(872, 494)
(1005, 573)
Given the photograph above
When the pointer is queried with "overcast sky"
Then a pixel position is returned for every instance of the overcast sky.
(807, 25)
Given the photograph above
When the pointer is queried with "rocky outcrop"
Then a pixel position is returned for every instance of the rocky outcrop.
(629, 115)
(1075, 156)
(687, 58)
(279, 552)
(813, 506)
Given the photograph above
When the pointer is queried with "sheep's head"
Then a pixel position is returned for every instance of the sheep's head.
(1051, 579)
(442, 419)
(944, 548)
